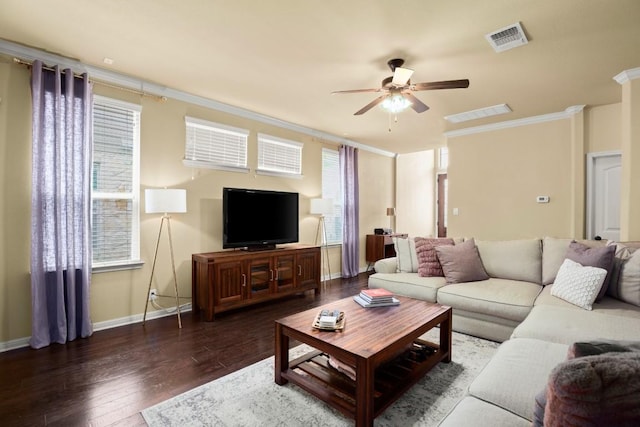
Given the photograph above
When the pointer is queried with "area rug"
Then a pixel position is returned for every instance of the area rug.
(250, 397)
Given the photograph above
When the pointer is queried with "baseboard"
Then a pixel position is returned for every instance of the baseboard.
(101, 326)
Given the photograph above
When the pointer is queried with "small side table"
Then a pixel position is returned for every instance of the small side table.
(380, 246)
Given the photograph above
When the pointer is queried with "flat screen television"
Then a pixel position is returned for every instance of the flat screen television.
(258, 219)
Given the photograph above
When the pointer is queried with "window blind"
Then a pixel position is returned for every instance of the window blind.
(331, 189)
(115, 182)
(214, 145)
(279, 155)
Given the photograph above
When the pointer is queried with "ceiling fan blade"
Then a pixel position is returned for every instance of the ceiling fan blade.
(370, 105)
(447, 84)
(417, 105)
(401, 76)
(356, 91)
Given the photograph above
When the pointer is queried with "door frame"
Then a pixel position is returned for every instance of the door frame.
(441, 229)
(590, 208)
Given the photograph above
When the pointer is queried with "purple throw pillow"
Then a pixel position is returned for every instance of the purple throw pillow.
(601, 257)
(461, 263)
(428, 264)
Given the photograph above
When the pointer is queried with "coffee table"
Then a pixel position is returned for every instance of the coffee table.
(382, 344)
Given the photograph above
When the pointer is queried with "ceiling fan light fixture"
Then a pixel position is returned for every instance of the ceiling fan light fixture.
(395, 103)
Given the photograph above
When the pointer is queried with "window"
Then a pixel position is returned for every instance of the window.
(443, 158)
(215, 146)
(115, 184)
(278, 156)
(332, 189)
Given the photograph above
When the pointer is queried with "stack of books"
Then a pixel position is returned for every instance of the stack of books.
(375, 298)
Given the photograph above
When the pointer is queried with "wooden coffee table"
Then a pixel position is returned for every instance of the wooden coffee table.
(382, 344)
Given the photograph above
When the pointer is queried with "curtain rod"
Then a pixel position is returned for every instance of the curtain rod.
(98, 82)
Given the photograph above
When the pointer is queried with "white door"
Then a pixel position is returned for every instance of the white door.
(603, 213)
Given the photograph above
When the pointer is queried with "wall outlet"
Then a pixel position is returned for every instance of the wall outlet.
(153, 294)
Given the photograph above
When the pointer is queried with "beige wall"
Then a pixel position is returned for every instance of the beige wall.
(494, 178)
(118, 297)
(603, 128)
(415, 193)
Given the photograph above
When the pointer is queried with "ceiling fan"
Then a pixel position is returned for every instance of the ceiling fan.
(398, 90)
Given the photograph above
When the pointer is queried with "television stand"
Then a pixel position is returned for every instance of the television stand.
(229, 280)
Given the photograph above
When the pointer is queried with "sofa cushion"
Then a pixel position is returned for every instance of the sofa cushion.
(567, 325)
(508, 299)
(408, 284)
(512, 259)
(473, 411)
(517, 372)
(461, 263)
(554, 252)
(625, 277)
(428, 264)
(406, 256)
(577, 284)
(608, 305)
(593, 257)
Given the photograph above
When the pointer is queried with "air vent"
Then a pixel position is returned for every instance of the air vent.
(479, 113)
(507, 38)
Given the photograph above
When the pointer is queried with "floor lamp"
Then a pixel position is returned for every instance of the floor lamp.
(322, 207)
(165, 201)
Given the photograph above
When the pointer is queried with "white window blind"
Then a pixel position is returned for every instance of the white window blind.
(332, 189)
(115, 183)
(215, 146)
(279, 156)
(443, 159)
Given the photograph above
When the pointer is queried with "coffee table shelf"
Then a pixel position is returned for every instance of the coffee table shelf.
(313, 373)
(387, 359)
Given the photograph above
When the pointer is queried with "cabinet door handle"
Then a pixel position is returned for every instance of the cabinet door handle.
(244, 280)
(299, 270)
(271, 271)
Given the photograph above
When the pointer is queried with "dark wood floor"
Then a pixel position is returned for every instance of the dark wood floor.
(109, 378)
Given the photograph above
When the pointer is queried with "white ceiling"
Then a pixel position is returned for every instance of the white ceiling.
(283, 58)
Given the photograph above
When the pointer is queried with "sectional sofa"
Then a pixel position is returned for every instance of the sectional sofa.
(516, 304)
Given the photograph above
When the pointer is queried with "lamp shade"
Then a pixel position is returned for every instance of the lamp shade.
(391, 211)
(321, 206)
(165, 200)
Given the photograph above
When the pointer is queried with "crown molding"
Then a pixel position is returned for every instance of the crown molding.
(567, 113)
(627, 75)
(129, 82)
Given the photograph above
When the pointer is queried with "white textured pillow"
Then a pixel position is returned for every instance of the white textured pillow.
(406, 256)
(577, 284)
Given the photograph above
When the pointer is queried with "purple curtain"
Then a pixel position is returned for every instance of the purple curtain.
(60, 206)
(350, 223)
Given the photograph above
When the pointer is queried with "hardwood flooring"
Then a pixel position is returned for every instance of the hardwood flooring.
(109, 378)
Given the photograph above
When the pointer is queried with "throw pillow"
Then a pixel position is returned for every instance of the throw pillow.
(592, 348)
(582, 349)
(577, 284)
(406, 257)
(428, 264)
(597, 390)
(461, 263)
(601, 257)
(625, 275)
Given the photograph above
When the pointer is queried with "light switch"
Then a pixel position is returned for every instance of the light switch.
(542, 199)
(455, 211)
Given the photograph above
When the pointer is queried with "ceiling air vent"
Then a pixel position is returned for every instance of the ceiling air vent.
(507, 38)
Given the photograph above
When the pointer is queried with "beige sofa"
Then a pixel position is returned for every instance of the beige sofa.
(514, 306)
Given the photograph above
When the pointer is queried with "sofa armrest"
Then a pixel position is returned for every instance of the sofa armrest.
(385, 265)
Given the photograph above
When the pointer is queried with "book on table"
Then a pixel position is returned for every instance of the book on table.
(375, 298)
